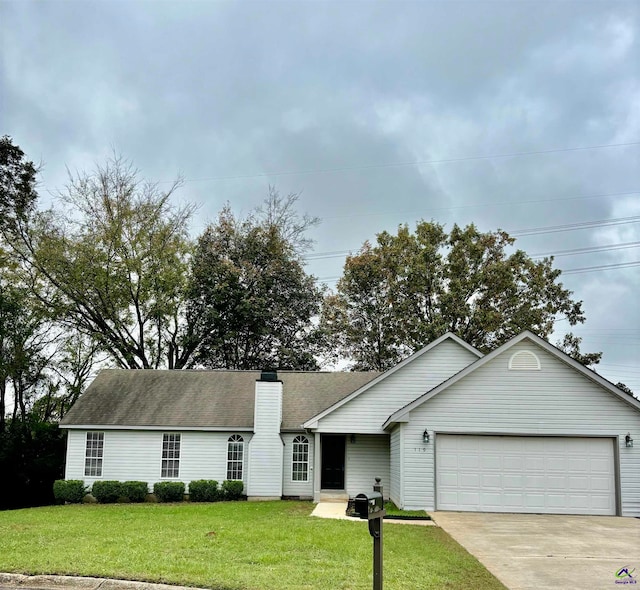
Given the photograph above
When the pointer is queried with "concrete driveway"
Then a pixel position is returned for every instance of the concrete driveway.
(550, 552)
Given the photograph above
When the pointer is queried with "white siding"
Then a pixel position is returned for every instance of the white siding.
(137, 455)
(367, 412)
(395, 489)
(555, 400)
(266, 450)
(303, 489)
(367, 458)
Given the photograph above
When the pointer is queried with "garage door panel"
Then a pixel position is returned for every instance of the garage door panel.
(449, 479)
(513, 481)
(534, 463)
(468, 461)
(556, 464)
(601, 484)
(491, 462)
(469, 480)
(578, 484)
(578, 465)
(525, 474)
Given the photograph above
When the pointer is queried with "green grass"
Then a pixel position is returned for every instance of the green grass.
(392, 510)
(230, 546)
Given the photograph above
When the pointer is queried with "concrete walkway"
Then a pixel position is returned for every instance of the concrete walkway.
(337, 510)
(550, 552)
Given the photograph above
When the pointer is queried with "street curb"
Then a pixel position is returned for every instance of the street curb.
(49, 582)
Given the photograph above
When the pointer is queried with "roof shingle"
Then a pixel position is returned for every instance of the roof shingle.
(203, 399)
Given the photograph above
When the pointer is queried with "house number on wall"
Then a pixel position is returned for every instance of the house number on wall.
(420, 450)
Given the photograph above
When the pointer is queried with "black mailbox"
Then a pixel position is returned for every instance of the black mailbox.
(368, 504)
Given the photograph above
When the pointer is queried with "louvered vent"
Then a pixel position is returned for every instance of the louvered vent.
(524, 361)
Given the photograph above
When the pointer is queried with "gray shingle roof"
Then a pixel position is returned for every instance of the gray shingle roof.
(196, 399)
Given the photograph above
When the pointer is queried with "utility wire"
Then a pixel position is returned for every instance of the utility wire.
(487, 204)
(573, 271)
(527, 232)
(411, 163)
(309, 171)
(588, 250)
(575, 226)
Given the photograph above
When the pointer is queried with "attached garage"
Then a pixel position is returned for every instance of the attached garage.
(524, 429)
(552, 475)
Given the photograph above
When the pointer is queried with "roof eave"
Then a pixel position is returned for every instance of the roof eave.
(172, 427)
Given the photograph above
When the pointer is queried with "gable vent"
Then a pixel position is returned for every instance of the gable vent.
(524, 361)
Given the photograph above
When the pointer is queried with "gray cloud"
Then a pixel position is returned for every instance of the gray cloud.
(233, 93)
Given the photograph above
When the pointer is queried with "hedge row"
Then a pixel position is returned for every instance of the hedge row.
(73, 491)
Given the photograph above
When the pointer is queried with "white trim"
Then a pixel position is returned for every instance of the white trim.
(171, 427)
(399, 416)
(293, 461)
(99, 466)
(313, 421)
(168, 436)
(238, 438)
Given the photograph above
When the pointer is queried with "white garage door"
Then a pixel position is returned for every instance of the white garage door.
(525, 474)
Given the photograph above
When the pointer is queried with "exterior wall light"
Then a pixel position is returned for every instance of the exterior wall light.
(628, 441)
(352, 438)
(425, 436)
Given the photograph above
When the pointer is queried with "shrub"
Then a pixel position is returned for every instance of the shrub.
(135, 491)
(232, 490)
(107, 492)
(69, 490)
(169, 491)
(204, 490)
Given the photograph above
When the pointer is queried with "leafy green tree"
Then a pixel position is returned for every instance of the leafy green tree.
(18, 178)
(250, 300)
(398, 295)
(570, 345)
(112, 264)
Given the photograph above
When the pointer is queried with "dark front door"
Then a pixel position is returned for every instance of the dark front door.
(332, 462)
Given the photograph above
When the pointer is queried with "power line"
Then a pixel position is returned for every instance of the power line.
(570, 271)
(528, 232)
(573, 271)
(411, 163)
(575, 226)
(588, 250)
(493, 204)
(383, 165)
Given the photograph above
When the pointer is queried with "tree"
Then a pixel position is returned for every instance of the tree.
(570, 345)
(397, 296)
(250, 300)
(18, 193)
(113, 265)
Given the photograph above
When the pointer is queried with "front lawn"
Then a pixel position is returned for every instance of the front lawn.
(230, 546)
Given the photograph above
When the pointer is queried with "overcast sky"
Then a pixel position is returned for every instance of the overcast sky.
(509, 114)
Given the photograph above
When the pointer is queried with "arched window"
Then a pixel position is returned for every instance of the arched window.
(300, 459)
(235, 457)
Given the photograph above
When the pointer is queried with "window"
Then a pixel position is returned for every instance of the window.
(170, 455)
(235, 457)
(93, 454)
(300, 463)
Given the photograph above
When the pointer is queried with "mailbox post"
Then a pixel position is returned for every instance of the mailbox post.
(371, 507)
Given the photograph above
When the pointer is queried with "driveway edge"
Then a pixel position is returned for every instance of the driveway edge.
(51, 582)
